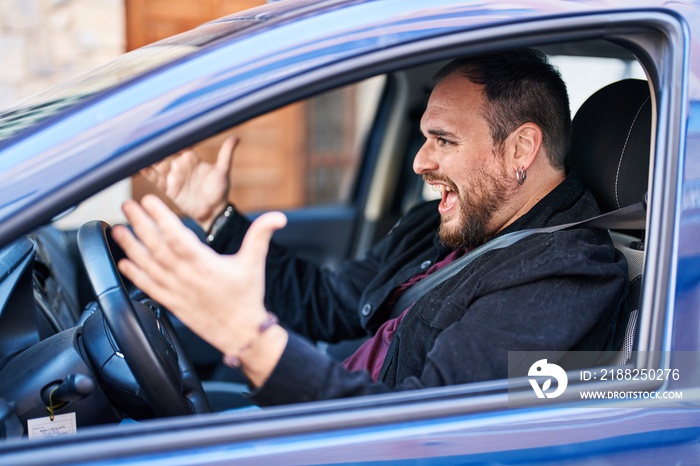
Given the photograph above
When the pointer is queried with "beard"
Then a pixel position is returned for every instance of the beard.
(487, 193)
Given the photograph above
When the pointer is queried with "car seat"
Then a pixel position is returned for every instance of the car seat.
(611, 141)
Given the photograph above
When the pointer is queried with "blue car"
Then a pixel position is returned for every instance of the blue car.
(83, 381)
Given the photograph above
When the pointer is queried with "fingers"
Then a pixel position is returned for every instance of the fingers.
(131, 246)
(224, 160)
(148, 283)
(157, 173)
(257, 240)
(169, 174)
(145, 228)
(162, 231)
(160, 251)
(154, 176)
(139, 268)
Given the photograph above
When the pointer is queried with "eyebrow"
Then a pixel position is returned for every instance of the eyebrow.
(441, 133)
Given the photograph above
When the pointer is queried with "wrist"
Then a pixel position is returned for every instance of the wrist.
(217, 223)
(261, 352)
(234, 359)
(206, 217)
(262, 358)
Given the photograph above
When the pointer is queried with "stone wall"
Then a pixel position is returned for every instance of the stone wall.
(44, 42)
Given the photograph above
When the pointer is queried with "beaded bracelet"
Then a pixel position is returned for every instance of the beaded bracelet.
(234, 361)
(219, 222)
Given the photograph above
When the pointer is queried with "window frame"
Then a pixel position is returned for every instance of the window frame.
(664, 60)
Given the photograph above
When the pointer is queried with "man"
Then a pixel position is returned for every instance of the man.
(497, 130)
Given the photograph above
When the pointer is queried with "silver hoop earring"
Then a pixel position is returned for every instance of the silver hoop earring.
(520, 175)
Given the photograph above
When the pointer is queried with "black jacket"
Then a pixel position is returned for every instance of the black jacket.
(559, 291)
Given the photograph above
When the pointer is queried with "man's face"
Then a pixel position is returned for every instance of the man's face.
(460, 160)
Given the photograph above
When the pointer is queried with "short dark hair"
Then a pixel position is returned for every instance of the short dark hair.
(520, 86)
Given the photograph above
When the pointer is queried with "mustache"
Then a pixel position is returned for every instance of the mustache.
(433, 177)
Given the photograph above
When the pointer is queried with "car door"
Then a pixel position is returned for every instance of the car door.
(483, 422)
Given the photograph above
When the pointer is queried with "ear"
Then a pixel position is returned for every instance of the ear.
(526, 143)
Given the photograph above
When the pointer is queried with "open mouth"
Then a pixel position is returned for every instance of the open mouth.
(449, 197)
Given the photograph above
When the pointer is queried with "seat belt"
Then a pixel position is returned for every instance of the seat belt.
(632, 217)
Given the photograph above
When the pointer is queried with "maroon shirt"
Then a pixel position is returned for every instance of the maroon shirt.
(370, 355)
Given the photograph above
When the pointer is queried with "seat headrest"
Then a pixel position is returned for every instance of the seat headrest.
(610, 145)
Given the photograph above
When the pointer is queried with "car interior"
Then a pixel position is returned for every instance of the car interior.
(56, 339)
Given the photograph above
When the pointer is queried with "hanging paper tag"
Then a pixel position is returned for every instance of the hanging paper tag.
(44, 427)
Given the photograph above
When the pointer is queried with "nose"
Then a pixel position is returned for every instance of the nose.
(423, 162)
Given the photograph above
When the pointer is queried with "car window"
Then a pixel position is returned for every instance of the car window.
(308, 153)
(305, 154)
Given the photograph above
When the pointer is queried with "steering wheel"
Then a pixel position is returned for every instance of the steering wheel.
(151, 365)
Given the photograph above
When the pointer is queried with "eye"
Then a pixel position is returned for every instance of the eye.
(442, 142)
